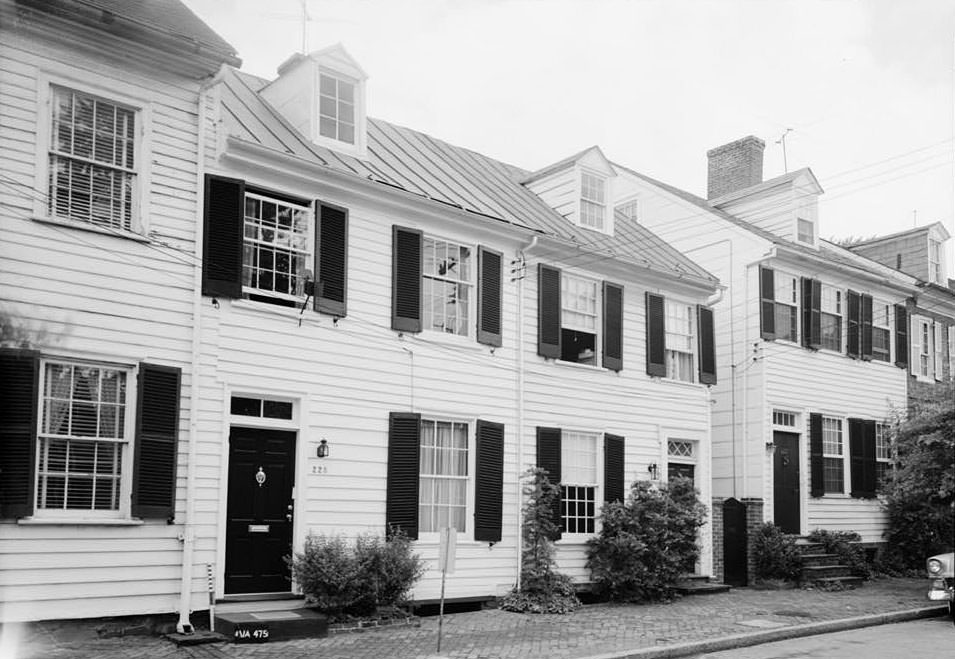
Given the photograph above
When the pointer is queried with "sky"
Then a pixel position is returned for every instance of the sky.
(863, 90)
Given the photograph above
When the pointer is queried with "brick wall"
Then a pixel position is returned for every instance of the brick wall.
(735, 166)
(754, 519)
(717, 523)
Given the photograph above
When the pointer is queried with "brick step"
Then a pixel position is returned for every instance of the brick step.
(699, 585)
(848, 582)
(276, 625)
(813, 572)
(819, 559)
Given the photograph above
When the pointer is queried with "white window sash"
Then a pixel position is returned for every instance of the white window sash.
(939, 355)
(951, 352)
(915, 346)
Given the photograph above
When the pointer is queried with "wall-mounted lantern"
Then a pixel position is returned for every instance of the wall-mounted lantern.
(323, 448)
(652, 470)
(770, 448)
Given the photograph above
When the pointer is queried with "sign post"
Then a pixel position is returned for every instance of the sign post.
(446, 553)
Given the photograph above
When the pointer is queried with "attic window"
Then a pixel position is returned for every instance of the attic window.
(804, 231)
(629, 209)
(336, 108)
(593, 206)
(935, 261)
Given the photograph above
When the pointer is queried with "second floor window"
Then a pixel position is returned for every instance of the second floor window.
(679, 341)
(831, 319)
(578, 319)
(881, 331)
(336, 108)
(277, 248)
(446, 286)
(92, 160)
(787, 307)
(832, 451)
(593, 204)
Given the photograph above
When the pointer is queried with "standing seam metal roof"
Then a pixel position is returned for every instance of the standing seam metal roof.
(425, 166)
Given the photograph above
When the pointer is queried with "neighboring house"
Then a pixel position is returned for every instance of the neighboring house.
(812, 348)
(395, 328)
(99, 195)
(925, 253)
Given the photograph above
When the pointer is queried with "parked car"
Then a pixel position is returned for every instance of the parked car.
(941, 572)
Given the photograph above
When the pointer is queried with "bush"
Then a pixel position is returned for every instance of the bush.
(343, 580)
(842, 543)
(645, 543)
(775, 554)
(542, 588)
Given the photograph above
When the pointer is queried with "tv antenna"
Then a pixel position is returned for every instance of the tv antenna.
(782, 140)
(305, 17)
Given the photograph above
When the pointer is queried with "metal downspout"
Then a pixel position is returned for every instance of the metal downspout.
(521, 255)
(184, 626)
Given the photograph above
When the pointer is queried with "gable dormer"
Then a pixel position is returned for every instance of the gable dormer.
(322, 94)
(922, 252)
(580, 188)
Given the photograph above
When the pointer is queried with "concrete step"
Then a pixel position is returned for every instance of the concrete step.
(819, 559)
(274, 625)
(848, 582)
(700, 585)
(813, 572)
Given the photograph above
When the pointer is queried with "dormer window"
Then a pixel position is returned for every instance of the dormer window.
(593, 205)
(935, 261)
(629, 209)
(805, 231)
(336, 108)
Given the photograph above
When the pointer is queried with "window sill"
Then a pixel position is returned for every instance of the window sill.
(77, 521)
(448, 339)
(92, 228)
(586, 367)
(243, 304)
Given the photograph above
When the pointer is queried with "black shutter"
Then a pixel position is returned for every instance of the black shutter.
(613, 467)
(612, 326)
(706, 345)
(548, 311)
(489, 481)
(871, 479)
(656, 336)
(19, 376)
(816, 471)
(856, 457)
(331, 259)
(865, 327)
(404, 446)
(767, 304)
(222, 237)
(406, 280)
(811, 313)
(854, 324)
(157, 442)
(548, 457)
(901, 336)
(490, 294)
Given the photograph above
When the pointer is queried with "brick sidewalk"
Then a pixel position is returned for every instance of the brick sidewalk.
(493, 634)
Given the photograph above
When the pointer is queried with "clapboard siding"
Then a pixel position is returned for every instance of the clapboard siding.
(101, 297)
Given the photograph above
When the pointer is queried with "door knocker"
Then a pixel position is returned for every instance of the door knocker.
(260, 477)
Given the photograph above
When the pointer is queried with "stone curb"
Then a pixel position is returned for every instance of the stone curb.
(769, 636)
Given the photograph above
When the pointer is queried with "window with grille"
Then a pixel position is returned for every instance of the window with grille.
(447, 286)
(82, 437)
(786, 419)
(805, 232)
(336, 108)
(277, 248)
(578, 455)
(935, 261)
(593, 204)
(677, 448)
(93, 168)
(630, 209)
(442, 487)
(579, 299)
(883, 456)
(833, 456)
(831, 319)
(786, 307)
(881, 332)
(679, 341)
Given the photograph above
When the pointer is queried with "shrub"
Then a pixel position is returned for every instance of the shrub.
(344, 580)
(542, 588)
(645, 543)
(842, 543)
(775, 554)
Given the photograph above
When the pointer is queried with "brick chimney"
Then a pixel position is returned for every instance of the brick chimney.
(735, 166)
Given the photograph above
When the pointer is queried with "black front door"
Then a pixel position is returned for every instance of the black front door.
(734, 543)
(786, 481)
(259, 527)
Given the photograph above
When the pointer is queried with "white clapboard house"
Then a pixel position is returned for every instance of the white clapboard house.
(238, 312)
(811, 345)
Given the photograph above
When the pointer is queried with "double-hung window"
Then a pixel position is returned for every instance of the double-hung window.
(830, 324)
(881, 331)
(833, 452)
(679, 341)
(336, 108)
(593, 201)
(277, 248)
(786, 306)
(448, 280)
(882, 451)
(578, 319)
(83, 439)
(805, 231)
(578, 481)
(925, 348)
(442, 497)
(935, 261)
(630, 209)
(92, 160)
